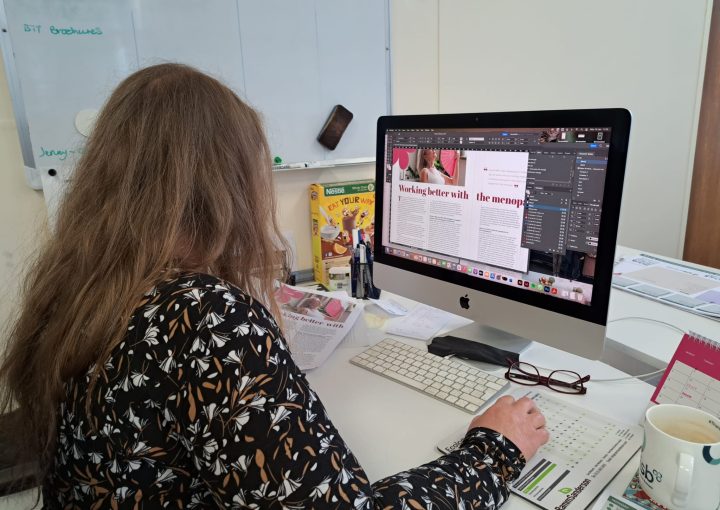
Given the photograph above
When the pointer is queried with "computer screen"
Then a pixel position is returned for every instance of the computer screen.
(522, 206)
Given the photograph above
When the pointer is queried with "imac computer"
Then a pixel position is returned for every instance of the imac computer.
(508, 219)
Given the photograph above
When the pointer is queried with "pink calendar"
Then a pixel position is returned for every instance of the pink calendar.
(693, 375)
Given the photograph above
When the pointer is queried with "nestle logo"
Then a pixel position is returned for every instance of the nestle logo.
(334, 191)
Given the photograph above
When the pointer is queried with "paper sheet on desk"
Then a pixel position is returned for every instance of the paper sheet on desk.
(617, 503)
(690, 289)
(422, 323)
(314, 322)
(361, 334)
(390, 306)
(585, 452)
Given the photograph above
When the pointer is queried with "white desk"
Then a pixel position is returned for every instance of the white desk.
(391, 428)
(652, 344)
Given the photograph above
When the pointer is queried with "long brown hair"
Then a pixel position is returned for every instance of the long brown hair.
(176, 174)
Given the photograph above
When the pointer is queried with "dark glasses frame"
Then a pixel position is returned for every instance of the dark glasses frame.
(564, 381)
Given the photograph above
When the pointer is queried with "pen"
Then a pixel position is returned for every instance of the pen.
(368, 277)
(374, 292)
(361, 270)
(354, 266)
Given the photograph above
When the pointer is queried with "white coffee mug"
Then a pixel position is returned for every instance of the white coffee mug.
(680, 459)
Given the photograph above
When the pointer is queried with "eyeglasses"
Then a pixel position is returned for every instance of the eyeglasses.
(563, 381)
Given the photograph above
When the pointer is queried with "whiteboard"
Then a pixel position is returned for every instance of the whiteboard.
(292, 61)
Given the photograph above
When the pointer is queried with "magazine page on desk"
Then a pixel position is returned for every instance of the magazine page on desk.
(314, 323)
(688, 288)
(585, 452)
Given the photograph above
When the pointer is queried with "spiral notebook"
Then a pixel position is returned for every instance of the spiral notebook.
(693, 376)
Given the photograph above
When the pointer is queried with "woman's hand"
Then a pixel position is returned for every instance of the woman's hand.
(518, 420)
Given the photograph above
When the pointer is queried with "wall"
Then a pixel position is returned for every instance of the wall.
(633, 55)
(645, 55)
(22, 210)
(413, 93)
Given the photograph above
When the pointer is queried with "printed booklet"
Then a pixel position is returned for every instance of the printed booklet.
(585, 452)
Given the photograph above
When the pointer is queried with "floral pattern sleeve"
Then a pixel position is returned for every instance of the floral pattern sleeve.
(260, 438)
(201, 406)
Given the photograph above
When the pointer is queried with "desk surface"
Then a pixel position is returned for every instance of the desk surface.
(651, 343)
(391, 428)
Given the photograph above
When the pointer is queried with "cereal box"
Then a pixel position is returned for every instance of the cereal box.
(336, 209)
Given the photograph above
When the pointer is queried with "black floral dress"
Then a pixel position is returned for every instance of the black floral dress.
(201, 406)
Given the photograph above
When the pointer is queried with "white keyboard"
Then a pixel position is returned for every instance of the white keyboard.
(451, 381)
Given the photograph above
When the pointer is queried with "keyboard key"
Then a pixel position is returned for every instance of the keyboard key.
(405, 380)
(473, 400)
(458, 384)
(489, 394)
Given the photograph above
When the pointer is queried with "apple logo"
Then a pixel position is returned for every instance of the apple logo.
(465, 302)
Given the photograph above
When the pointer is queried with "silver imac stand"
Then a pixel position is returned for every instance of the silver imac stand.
(493, 337)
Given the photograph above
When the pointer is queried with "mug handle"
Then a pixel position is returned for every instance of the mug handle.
(683, 482)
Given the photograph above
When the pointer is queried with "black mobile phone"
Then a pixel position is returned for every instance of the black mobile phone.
(334, 127)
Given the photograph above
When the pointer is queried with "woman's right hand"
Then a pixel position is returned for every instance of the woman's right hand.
(518, 420)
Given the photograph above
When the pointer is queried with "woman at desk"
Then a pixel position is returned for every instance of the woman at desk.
(147, 365)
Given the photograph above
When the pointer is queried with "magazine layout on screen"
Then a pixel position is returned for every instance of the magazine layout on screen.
(478, 217)
(520, 207)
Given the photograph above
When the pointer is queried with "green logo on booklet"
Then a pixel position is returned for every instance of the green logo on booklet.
(566, 490)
